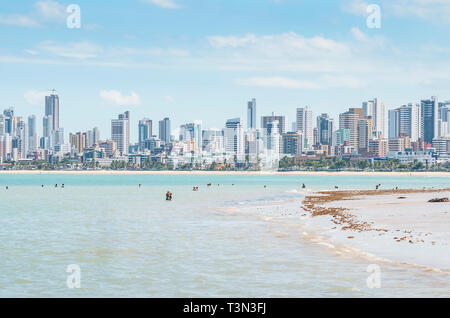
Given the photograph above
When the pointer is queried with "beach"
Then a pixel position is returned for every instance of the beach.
(398, 226)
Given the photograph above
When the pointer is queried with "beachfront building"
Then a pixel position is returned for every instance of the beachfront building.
(429, 115)
(145, 128)
(349, 120)
(251, 115)
(325, 126)
(234, 137)
(164, 130)
(52, 110)
(377, 110)
(305, 125)
(120, 132)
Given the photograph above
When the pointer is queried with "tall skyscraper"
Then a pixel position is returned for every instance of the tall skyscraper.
(52, 110)
(120, 132)
(377, 110)
(305, 125)
(265, 120)
(145, 131)
(234, 136)
(22, 139)
(32, 134)
(95, 135)
(393, 123)
(325, 124)
(349, 120)
(429, 113)
(365, 130)
(251, 115)
(198, 136)
(2, 125)
(164, 130)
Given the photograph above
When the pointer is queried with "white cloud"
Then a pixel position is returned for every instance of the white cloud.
(433, 10)
(166, 4)
(286, 45)
(18, 20)
(44, 11)
(36, 98)
(323, 82)
(357, 7)
(231, 41)
(51, 10)
(79, 50)
(119, 99)
(277, 82)
(170, 99)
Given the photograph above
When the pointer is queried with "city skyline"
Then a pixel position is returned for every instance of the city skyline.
(186, 62)
(365, 132)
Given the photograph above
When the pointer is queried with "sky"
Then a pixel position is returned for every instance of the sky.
(204, 59)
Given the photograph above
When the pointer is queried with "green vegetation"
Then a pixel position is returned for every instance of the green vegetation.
(334, 164)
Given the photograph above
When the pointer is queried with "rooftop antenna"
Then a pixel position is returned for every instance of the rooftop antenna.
(53, 91)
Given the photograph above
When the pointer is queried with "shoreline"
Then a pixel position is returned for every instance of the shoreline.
(241, 173)
(398, 226)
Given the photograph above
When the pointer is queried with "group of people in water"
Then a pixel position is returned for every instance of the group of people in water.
(43, 186)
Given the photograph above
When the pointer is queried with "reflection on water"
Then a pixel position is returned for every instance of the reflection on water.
(130, 242)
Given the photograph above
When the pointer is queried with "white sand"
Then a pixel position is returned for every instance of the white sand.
(418, 232)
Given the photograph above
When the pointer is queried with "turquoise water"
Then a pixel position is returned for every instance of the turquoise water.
(129, 242)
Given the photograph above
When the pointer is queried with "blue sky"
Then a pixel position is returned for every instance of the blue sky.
(204, 59)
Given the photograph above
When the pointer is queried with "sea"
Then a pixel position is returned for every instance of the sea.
(106, 236)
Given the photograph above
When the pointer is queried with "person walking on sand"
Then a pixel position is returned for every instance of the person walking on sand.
(169, 196)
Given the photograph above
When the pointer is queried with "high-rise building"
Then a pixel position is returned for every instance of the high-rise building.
(32, 134)
(5, 147)
(429, 114)
(145, 132)
(234, 136)
(272, 136)
(251, 115)
(164, 130)
(95, 135)
(349, 120)
(325, 126)
(120, 132)
(2, 125)
(78, 142)
(22, 138)
(365, 129)
(265, 120)
(198, 136)
(393, 123)
(293, 143)
(52, 110)
(305, 125)
(377, 110)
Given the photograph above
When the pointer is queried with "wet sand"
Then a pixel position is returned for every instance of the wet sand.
(396, 225)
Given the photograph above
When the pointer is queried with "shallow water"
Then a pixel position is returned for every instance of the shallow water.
(129, 242)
